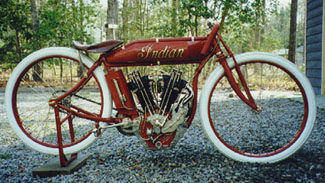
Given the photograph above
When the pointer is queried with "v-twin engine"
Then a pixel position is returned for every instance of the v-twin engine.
(165, 102)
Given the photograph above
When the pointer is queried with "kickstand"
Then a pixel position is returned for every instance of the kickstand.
(64, 161)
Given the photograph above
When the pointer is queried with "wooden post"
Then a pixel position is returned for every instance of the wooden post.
(293, 29)
(112, 19)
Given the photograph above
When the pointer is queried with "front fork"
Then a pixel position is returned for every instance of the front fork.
(230, 77)
(234, 85)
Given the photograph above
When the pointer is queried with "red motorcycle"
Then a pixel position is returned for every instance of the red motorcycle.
(254, 107)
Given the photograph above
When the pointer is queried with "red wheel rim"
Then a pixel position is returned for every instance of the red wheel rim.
(291, 142)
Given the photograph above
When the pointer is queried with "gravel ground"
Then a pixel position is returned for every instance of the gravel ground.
(118, 158)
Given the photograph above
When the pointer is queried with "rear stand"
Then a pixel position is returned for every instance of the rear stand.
(61, 164)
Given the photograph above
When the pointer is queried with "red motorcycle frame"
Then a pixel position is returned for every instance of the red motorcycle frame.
(149, 52)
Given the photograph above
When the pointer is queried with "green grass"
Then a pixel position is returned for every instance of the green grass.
(5, 156)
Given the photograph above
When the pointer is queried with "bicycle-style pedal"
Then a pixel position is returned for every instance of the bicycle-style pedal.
(97, 131)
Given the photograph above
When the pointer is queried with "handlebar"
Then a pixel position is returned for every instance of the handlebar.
(211, 36)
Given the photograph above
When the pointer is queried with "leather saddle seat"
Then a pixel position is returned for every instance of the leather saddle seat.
(105, 46)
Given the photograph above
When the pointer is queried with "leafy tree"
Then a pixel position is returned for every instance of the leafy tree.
(245, 24)
(24, 29)
(15, 31)
(194, 10)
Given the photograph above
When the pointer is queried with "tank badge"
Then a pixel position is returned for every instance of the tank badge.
(148, 53)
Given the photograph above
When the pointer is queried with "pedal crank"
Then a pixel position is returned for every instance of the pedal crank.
(126, 123)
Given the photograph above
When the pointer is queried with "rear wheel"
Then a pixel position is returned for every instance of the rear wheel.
(281, 125)
(45, 75)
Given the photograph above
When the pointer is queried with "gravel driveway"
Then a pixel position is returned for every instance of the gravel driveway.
(118, 158)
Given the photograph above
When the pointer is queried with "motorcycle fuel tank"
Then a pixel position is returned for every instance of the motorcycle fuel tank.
(158, 52)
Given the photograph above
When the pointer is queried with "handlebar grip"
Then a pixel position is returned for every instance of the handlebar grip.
(212, 35)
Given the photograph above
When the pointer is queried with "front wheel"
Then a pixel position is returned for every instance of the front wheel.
(283, 122)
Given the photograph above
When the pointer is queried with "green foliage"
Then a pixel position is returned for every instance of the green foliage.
(14, 24)
(246, 24)
(5, 156)
(60, 23)
(193, 10)
(64, 22)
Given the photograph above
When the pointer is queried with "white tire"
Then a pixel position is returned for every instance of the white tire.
(234, 152)
(17, 75)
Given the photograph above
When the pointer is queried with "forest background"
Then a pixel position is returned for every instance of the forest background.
(246, 25)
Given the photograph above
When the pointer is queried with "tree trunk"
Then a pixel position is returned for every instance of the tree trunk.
(259, 24)
(81, 14)
(189, 20)
(124, 29)
(112, 18)
(147, 12)
(40, 6)
(61, 70)
(35, 19)
(223, 18)
(174, 17)
(141, 17)
(125, 20)
(196, 25)
(80, 69)
(263, 21)
(293, 28)
(18, 48)
(102, 21)
(37, 70)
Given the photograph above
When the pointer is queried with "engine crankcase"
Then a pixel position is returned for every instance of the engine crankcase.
(166, 102)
